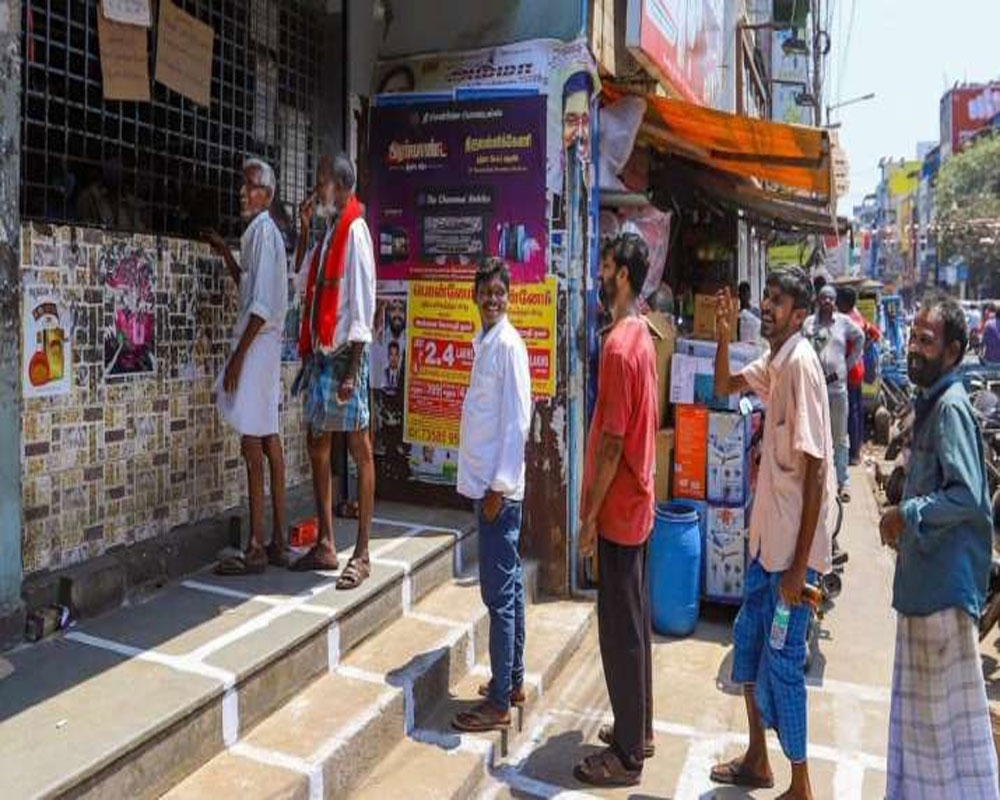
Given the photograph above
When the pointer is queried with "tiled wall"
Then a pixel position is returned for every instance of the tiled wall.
(118, 460)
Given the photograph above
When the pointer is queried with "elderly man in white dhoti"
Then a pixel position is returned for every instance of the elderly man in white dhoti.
(248, 392)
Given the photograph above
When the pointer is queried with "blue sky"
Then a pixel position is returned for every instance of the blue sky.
(907, 52)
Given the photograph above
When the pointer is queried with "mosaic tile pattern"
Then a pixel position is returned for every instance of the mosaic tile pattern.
(120, 460)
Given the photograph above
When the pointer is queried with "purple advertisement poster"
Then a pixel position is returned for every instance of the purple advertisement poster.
(455, 181)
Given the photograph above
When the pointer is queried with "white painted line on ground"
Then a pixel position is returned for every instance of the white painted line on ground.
(332, 646)
(849, 779)
(859, 691)
(268, 600)
(694, 782)
(271, 758)
(360, 674)
(180, 663)
(510, 777)
(454, 742)
(230, 717)
(418, 526)
(407, 589)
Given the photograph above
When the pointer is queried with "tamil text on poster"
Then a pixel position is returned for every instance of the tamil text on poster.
(454, 182)
(442, 324)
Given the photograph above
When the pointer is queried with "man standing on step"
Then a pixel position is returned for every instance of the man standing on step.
(248, 392)
(793, 516)
(616, 515)
(334, 343)
(940, 738)
(496, 415)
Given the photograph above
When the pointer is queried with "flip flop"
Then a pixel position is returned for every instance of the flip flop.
(483, 717)
(606, 734)
(239, 565)
(354, 574)
(606, 769)
(734, 773)
(347, 509)
(311, 562)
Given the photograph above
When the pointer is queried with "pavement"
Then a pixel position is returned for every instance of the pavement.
(700, 716)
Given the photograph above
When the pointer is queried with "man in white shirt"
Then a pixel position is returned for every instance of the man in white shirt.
(496, 415)
(334, 343)
(248, 392)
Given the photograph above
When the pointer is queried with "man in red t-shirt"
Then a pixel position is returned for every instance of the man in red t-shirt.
(617, 515)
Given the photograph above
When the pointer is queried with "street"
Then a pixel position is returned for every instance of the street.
(700, 717)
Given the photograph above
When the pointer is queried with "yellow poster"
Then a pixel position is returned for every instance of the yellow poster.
(443, 320)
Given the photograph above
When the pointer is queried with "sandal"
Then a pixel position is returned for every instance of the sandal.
(607, 735)
(279, 557)
(241, 564)
(483, 717)
(735, 773)
(347, 509)
(354, 574)
(517, 696)
(606, 769)
(311, 562)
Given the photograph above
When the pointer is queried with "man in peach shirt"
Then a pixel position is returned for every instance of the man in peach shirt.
(790, 527)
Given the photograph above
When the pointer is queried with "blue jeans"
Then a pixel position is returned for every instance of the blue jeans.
(502, 588)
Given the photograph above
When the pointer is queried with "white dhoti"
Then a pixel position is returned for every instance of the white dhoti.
(253, 408)
(940, 737)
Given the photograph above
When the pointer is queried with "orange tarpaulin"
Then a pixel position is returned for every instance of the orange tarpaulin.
(795, 156)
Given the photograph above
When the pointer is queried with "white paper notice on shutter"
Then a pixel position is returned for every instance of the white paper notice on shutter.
(128, 12)
(184, 53)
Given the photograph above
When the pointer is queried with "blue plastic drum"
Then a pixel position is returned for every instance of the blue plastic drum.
(675, 569)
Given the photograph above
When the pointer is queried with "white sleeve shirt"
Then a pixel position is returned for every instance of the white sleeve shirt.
(496, 416)
(263, 279)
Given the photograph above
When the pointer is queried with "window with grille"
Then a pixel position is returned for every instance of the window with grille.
(171, 166)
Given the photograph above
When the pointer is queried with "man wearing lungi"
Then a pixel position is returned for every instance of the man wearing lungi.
(334, 344)
(248, 392)
(790, 526)
(940, 737)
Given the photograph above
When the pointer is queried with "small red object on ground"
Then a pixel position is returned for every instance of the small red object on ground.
(303, 533)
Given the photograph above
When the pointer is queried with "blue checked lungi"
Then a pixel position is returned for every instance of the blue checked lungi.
(320, 378)
(778, 675)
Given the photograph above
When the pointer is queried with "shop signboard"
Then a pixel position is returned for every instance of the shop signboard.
(443, 321)
(964, 111)
(681, 43)
(455, 181)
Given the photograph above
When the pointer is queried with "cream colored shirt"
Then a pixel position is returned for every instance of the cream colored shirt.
(796, 424)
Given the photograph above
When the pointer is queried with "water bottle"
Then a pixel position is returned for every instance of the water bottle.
(779, 625)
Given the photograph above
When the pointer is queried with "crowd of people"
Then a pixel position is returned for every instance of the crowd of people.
(940, 738)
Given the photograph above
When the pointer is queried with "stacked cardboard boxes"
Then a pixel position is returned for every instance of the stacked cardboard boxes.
(712, 461)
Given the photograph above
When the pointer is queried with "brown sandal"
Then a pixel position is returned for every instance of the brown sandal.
(311, 562)
(241, 564)
(354, 574)
(606, 769)
(735, 773)
(606, 734)
(483, 717)
(517, 696)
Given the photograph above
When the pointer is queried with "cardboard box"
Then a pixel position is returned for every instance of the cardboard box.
(728, 458)
(664, 464)
(690, 443)
(725, 553)
(692, 377)
(664, 346)
(704, 317)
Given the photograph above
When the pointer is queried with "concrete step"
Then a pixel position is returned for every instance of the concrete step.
(436, 762)
(333, 733)
(129, 704)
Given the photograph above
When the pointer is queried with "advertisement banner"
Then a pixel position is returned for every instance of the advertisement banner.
(681, 41)
(454, 182)
(442, 322)
(47, 331)
(966, 110)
